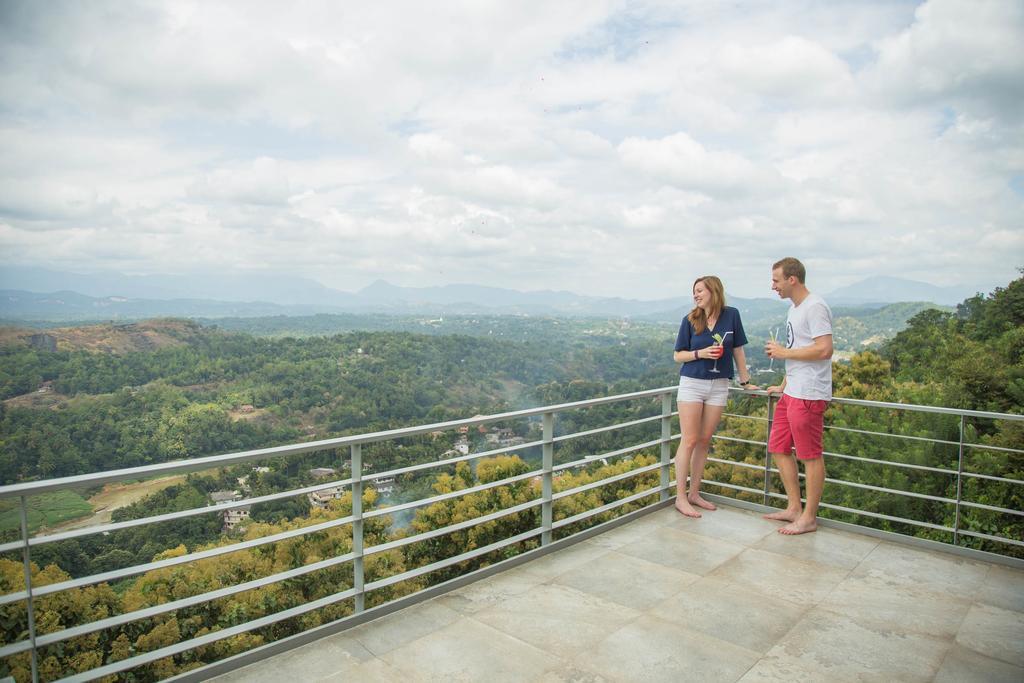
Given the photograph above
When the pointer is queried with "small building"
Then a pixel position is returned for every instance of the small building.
(247, 408)
(320, 499)
(235, 516)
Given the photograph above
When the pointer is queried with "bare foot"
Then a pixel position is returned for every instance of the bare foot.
(799, 527)
(784, 515)
(687, 509)
(701, 503)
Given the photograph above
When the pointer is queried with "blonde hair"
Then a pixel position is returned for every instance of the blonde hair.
(697, 317)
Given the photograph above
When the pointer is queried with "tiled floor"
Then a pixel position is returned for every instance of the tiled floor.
(723, 598)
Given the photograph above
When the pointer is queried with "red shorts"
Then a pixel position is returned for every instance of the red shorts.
(801, 423)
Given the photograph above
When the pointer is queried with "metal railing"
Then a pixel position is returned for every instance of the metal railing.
(544, 531)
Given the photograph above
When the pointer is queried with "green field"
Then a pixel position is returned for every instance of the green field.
(46, 509)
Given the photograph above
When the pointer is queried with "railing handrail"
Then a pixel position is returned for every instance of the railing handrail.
(359, 477)
(31, 488)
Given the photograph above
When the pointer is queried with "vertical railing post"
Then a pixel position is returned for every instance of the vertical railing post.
(767, 450)
(357, 525)
(666, 445)
(548, 458)
(31, 608)
(959, 481)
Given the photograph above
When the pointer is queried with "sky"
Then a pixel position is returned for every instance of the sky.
(605, 148)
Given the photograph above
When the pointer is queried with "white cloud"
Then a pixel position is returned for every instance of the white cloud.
(682, 161)
(613, 148)
(792, 68)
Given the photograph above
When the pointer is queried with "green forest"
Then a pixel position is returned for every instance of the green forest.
(202, 390)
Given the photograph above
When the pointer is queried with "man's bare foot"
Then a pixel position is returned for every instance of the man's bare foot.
(799, 527)
(701, 503)
(687, 509)
(784, 515)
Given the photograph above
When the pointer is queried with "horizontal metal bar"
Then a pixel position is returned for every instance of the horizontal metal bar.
(882, 405)
(890, 463)
(163, 608)
(736, 439)
(589, 459)
(1001, 449)
(897, 492)
(878, 515)
(737, 463)
(735, 487)
(894, 436)
(181, 514)
(599, 430)
(206, 462)
(741, 416)
(605, 508)
(989, 537)
(451, 528)
(454, 494)
(625, 451)
(604, 482)
(992, 508)
(207, 638)
(191, 557)
(989, 477)
(449, 461)
(441, 564)
(880, 489)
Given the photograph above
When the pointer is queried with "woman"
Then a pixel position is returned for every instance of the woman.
(703, 392)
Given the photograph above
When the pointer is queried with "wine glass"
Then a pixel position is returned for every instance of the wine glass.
(719, 342)
(775, 338)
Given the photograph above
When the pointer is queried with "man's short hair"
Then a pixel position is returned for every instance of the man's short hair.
(791, 267)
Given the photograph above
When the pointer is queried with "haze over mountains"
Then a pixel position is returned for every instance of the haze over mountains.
(40, 294)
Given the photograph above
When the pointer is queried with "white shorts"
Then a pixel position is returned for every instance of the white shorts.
(714, 392)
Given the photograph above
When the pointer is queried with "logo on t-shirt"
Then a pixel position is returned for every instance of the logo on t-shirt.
(790, 337)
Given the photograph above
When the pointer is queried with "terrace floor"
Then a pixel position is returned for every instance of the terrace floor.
(723, 598)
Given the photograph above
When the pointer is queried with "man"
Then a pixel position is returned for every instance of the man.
(806, 391)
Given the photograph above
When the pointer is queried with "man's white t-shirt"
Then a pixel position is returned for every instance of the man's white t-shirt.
(808, 379)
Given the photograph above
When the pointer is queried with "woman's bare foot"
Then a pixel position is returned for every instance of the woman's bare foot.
(701, 503)
(786, 515)
(687, 509)
(799, 527)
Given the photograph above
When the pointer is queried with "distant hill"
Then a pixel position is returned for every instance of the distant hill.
(262, 287)
(860, 327)
(35, 294)
(107, 338)
(888, 290)
(72, 306)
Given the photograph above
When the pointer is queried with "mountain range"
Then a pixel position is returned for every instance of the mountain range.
(28, 293)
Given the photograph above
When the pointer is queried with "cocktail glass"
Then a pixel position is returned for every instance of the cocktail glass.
(719, 344)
